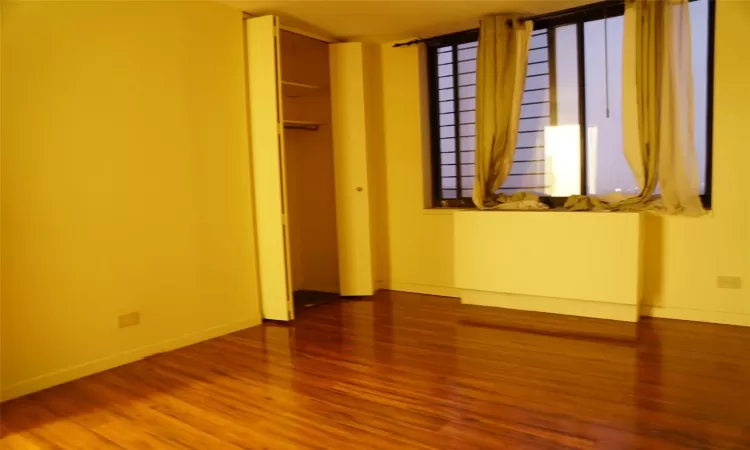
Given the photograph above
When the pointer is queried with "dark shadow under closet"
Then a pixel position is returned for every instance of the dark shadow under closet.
(309, 299)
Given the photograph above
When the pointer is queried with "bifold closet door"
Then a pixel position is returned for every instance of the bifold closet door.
(350, 167)
(268, 167)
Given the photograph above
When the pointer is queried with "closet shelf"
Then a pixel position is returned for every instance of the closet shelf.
(300, 125)
(292, 89)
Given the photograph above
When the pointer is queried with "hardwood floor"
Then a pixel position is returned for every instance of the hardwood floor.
(410, 371)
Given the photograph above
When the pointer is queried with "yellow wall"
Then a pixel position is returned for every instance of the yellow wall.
(607, 272)
(420, 241)
(683, 256)
(686, 255)
(125, 184)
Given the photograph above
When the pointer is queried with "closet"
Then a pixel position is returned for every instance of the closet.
(309, 166)
(308, 159)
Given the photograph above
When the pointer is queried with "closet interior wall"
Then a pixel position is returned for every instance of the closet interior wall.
(308, 146)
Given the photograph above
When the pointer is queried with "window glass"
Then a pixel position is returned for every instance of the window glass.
(607, 169)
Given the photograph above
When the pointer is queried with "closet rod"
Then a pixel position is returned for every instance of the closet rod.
(299, 126)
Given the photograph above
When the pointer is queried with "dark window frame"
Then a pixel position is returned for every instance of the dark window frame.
(453, 40)
(578, 17)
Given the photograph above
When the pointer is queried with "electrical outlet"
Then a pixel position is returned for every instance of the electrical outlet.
(729, 282)
(129, 320)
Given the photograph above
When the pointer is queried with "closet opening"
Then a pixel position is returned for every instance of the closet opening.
(309, 172)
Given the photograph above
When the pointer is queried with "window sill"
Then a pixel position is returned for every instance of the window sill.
(555, 204)
(449, 210)
(441, 211)
(709, 213)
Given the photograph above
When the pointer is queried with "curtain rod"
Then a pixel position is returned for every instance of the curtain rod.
(540, 17)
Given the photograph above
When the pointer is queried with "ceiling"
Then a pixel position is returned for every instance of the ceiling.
(383, 21)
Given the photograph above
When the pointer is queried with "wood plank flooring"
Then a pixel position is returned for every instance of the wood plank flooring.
(411, 371)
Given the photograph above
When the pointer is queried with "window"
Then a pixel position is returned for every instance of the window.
(570, 137)
(453, 116)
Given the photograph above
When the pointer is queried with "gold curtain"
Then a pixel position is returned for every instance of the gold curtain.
(678, 167)
(501, 74)
(657, 32)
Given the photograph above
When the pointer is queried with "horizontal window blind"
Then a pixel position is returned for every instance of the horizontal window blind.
(456, 77)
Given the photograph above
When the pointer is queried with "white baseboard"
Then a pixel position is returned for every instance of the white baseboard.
(48, 380)
(554, 305)
(582, 308)
(696, 315)
(443, 291)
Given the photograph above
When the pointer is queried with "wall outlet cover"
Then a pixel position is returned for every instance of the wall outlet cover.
(129, 320)
(729, 282)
